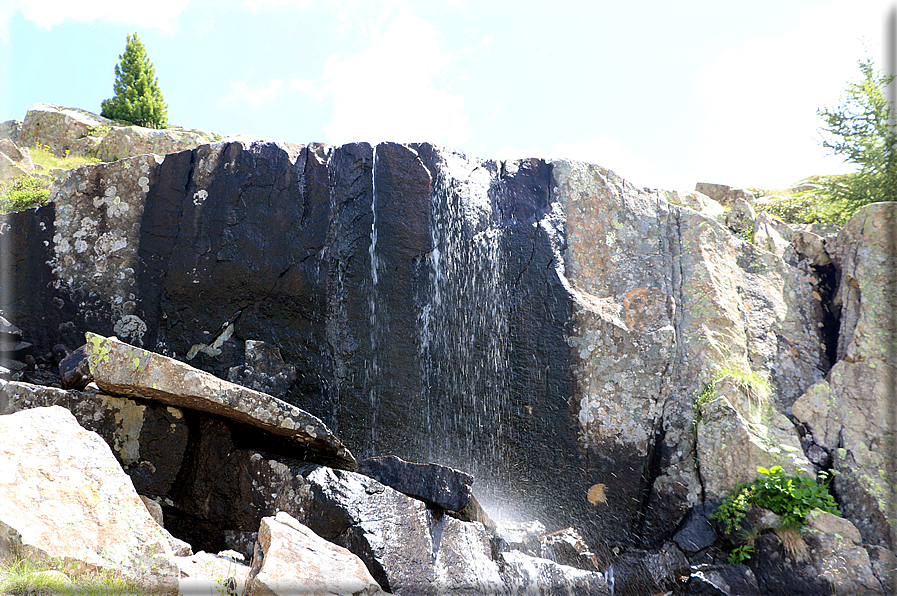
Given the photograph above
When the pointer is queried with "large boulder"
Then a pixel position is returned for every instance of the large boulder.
(149, 440)
(57, 127)
(293, 559)
(65, 497)
(122, 369)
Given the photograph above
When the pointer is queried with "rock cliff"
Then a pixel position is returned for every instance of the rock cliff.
(542, 325)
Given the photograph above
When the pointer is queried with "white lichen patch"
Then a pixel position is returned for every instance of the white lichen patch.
(200, 196)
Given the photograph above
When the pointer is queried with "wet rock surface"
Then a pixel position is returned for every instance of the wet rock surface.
(439, 485)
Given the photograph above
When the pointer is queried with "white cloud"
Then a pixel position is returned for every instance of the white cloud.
(49, 13)
(605, 151)
(760, 99)
(254, 97)
(256, 5)
(392, 90)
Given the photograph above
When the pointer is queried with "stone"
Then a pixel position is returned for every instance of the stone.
(408, 548)
(567, 547)
(697, 531)
(296, 560)
(771, 235)
(811, 246)
(129, 141)
(9, 129)
(641, 572)
(722, 580)
(524, 537)
(57, 127)
(700, 203)
(524, 574)
(740, 218)
(264, 370)
(74, 370)
(154, 509)
(725, 194)
(9, 149)
(64, 496)
(884, 565)
(204, 573)
(87, 146)
(829, 523)
(122, 369)
(733, 441)
(838, 558)
(433, 483)
(600, 312)
(148, 439)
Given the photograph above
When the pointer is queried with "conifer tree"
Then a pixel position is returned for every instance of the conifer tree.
(137, 99)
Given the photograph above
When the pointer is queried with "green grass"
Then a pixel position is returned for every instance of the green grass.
(19, 577)
(748, 380)
(42, 155)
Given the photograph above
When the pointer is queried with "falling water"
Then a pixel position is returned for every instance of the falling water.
(464, 327)
(372, 371)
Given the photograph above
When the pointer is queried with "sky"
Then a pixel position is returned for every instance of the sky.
(666, 94)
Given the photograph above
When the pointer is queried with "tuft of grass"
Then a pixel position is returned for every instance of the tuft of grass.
(748, 380)
(793, 544)
(21, 577)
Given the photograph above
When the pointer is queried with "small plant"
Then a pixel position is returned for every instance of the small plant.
(23, 193)
(792, 497)
(740, 554)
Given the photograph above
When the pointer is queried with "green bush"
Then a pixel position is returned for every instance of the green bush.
(23, 193)
(792, 497)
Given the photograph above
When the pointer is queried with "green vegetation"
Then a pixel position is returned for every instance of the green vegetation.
(749, 380)
(23, 193)
(138, 99)
(33, 190)
(22, 576)
(792, 497)
(862, 130)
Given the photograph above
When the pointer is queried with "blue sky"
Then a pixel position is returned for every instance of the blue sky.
(665, 93)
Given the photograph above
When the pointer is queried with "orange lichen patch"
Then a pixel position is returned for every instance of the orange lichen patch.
(596, 495)
(642, 308)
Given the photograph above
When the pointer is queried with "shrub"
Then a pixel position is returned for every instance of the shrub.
(792, 497)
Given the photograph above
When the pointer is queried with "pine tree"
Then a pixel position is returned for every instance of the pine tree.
(137, 99)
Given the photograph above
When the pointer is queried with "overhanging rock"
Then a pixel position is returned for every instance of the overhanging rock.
(122, 369)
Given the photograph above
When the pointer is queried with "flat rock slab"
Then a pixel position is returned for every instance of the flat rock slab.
(433, 483)
(123, 369)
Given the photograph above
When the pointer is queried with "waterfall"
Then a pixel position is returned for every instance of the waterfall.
(372, 371)
(464, 326)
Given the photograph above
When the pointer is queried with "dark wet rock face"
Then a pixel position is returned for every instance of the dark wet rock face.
(439, 485)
